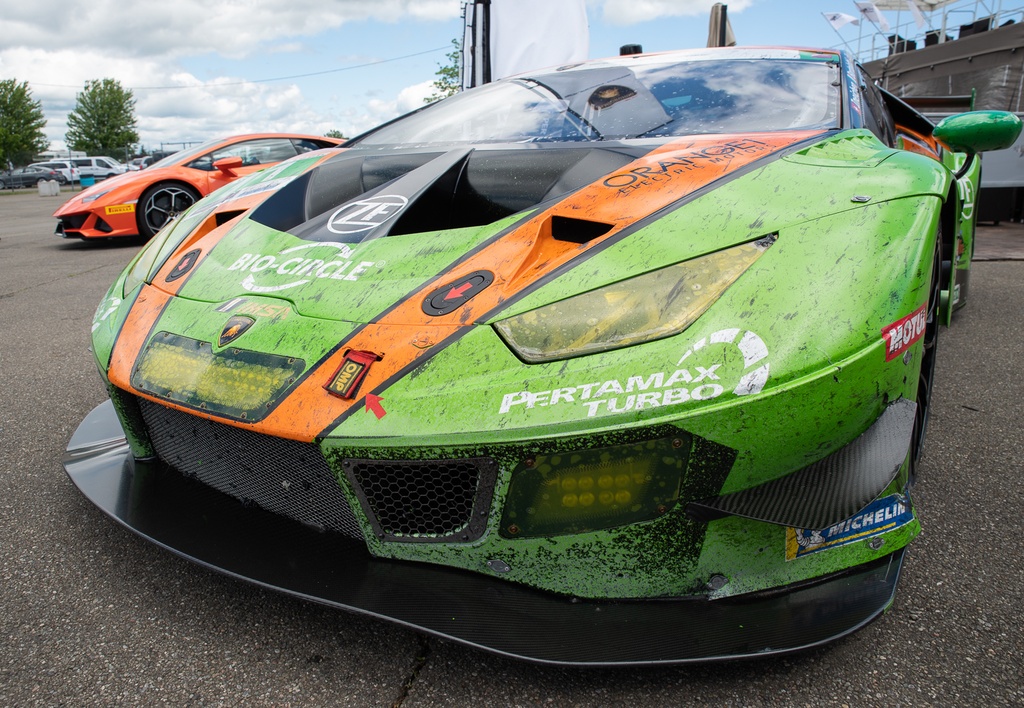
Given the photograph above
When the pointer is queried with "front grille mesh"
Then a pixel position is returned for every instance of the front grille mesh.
(283, 476)
(425, 499)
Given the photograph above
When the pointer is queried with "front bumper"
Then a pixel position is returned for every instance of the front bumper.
(95, 224)
(470, 608)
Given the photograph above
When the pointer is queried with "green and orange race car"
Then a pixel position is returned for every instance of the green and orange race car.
(624, 362)
(141, 202)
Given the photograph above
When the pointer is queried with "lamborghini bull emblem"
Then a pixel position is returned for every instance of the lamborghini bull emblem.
(234, 329)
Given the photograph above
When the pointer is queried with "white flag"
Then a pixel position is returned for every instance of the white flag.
(872, 14)
(840, 19)
(915, 11)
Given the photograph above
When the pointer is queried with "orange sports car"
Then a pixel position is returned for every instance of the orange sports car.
(142, 202)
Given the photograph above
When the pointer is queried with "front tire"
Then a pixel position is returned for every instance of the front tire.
(161, 203)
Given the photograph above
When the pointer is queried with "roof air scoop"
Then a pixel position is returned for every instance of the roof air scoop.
(400, 206)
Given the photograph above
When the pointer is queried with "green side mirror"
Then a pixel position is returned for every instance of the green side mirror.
(979, 131)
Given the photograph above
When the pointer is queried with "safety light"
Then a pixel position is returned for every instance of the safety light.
(588, 490)
(650, 306)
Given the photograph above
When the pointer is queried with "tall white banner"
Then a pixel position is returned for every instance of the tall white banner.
(508, 37)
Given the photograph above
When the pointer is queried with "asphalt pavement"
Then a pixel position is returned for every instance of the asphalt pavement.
(91, 615)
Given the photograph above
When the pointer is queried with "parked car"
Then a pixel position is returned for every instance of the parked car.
(28, 177)
(623, 362)
(142, 202)
(99, 167)
(66, 168)
(141, 163)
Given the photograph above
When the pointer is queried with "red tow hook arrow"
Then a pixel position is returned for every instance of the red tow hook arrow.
(458, 292)
(373, 404)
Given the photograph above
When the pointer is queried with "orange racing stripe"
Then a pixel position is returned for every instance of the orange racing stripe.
(405, 335)
(519, 259)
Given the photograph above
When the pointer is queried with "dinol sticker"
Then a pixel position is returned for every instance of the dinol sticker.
(345, 382)
(681, 163)
(120, 209)
(295, 266)
(876, 518)
(700, 368)
(901, 334)
(366, 214)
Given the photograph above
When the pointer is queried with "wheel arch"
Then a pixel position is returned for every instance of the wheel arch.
(949, 220)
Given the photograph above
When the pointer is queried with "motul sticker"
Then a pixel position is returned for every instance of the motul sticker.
(901, 334)
(346, 380)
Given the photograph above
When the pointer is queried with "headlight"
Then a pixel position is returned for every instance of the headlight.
(93, 197)
(650, 306)
(588, 490)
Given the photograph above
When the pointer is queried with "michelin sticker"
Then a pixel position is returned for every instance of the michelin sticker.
(298, 268)
(875, 519)
(697, 376)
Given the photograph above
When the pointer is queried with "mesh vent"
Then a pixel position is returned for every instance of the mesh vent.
(283, 476)
(429, 500)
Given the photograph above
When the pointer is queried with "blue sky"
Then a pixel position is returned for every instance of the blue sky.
(236, 65)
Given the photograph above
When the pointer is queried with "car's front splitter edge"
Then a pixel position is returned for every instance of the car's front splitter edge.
(482, 611)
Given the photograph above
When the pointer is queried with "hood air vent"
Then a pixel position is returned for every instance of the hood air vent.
(427, 191)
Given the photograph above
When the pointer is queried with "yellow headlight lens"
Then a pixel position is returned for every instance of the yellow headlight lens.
(235, 382)
(587, 490)
(651, 306)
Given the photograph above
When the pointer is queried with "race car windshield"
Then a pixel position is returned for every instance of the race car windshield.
(619, 102)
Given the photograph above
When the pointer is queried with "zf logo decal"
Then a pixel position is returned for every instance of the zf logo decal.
(366, 214)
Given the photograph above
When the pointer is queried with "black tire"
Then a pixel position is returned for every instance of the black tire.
(2, 185)
(161, 203)
(929, 347)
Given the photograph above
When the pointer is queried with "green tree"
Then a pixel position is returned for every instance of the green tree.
(103, 122)
(335, 133)
(21, 124)
(449, 76)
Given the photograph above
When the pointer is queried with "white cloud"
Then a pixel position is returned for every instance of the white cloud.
(232, 28)
(377, 110)
(629, 12)
(144, 45)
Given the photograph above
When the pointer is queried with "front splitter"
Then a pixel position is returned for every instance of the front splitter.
(482, 611)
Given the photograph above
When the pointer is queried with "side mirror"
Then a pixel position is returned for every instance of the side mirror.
(227, 165)
(978, 131)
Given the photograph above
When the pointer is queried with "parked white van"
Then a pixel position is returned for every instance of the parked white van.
(99, 167)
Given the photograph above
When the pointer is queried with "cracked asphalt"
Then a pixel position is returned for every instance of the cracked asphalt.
(92, 615)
